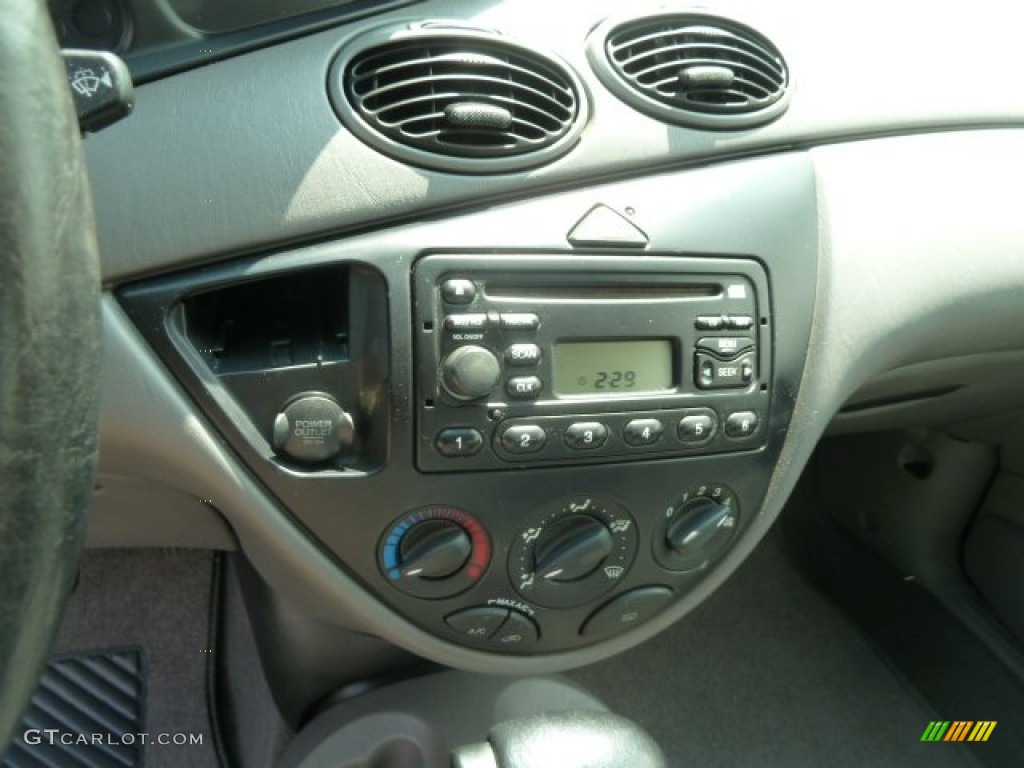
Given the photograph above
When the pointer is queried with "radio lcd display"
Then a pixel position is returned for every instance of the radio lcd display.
(612, 367)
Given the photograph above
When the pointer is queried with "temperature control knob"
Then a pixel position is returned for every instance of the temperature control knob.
(698, 528)
(572, 548)
(435, 549)
(470, 372)
(434, 552)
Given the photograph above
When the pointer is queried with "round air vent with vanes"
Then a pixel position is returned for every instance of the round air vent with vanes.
(694, 69)
(457, 100)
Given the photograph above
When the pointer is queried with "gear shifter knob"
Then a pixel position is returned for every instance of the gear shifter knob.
(563, 740)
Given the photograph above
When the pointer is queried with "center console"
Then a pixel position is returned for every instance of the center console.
(524, 452)
(528, 361)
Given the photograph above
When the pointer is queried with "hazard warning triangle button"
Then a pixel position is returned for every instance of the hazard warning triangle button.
(602, 225)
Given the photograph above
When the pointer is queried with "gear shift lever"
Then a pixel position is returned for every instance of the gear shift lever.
(576, 739)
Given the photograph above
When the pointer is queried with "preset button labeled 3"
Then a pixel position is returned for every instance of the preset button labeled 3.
(586, 435)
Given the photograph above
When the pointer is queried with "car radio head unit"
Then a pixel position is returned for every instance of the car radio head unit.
(541, 359)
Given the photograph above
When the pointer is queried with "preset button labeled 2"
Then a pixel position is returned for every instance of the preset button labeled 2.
(523, 438)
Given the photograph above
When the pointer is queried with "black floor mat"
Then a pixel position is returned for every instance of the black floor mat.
(88, 711)
(158, 601)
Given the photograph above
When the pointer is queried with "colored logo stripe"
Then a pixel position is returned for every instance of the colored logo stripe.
(982, 730)
(958, 730)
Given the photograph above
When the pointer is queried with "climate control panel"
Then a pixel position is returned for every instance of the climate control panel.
(575, 569)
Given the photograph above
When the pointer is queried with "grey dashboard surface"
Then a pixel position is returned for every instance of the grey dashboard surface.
(248, 152)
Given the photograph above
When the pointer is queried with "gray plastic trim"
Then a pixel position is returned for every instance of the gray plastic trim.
(471, 165)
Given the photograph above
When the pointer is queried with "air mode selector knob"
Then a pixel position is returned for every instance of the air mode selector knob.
(470, 372)
(572, 547)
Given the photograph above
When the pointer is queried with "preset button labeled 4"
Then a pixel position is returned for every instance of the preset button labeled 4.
(643, 432)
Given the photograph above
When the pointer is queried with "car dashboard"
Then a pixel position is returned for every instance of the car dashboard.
(503, 331)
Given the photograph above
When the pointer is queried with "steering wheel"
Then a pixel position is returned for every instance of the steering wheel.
(49, 349)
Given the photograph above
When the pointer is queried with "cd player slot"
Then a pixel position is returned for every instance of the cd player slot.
(597, 292)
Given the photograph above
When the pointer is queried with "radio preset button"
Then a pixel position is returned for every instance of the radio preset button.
(586, 435)
(466, 322)
(697, 426)
(522, 355)
(726, 347)
(520, 320)
(523, 387)
(524, 438)
(643, 432)
(741, 424)
(459, 441)
(458, 291)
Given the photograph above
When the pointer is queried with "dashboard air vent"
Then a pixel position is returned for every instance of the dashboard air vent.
(458, 100)
(693, 69)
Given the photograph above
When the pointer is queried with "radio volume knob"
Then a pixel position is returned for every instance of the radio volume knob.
(470, 372)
